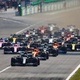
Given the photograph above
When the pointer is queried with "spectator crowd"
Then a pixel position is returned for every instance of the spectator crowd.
(5, 4)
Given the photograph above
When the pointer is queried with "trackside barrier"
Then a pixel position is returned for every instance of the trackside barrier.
(54, 6)
(33, 9)
(23, 11)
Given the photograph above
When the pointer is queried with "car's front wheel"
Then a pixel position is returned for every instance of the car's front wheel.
(12, 62)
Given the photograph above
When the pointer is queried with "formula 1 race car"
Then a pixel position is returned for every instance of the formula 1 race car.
(52, 51)
(73, 45)
(56, 49)
(42, 51)
(11, 49)
(43, 54)
(2, 44)
(26, 59)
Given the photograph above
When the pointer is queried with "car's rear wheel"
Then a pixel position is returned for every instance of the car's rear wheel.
(55, 54)
(5, 52)
(38, 62)
(47, 56)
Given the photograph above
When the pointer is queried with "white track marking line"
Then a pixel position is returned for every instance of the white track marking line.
(22, 24)
(28, 27)
(5, 69)
(25, 29)
(73, 72)
(14, 21)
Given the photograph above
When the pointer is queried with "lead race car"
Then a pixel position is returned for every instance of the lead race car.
(25, 59)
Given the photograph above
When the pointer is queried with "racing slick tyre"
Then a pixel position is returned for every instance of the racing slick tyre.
(37, 63)
(55, 53)
(5, 53)
(64, 50)
(12, 62)
(47, 56)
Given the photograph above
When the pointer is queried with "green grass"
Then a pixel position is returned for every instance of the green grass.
(76, 76)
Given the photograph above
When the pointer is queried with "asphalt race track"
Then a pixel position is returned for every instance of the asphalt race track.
(56, 68)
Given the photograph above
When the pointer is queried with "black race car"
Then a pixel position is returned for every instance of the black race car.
(52, 51)
(72, 45)
(26, 59)
(43, 54)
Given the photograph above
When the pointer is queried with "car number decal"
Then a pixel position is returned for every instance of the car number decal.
(15, 49)
(24, 60)
(73, 46)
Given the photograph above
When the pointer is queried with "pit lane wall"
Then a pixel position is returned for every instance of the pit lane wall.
(51, 6)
